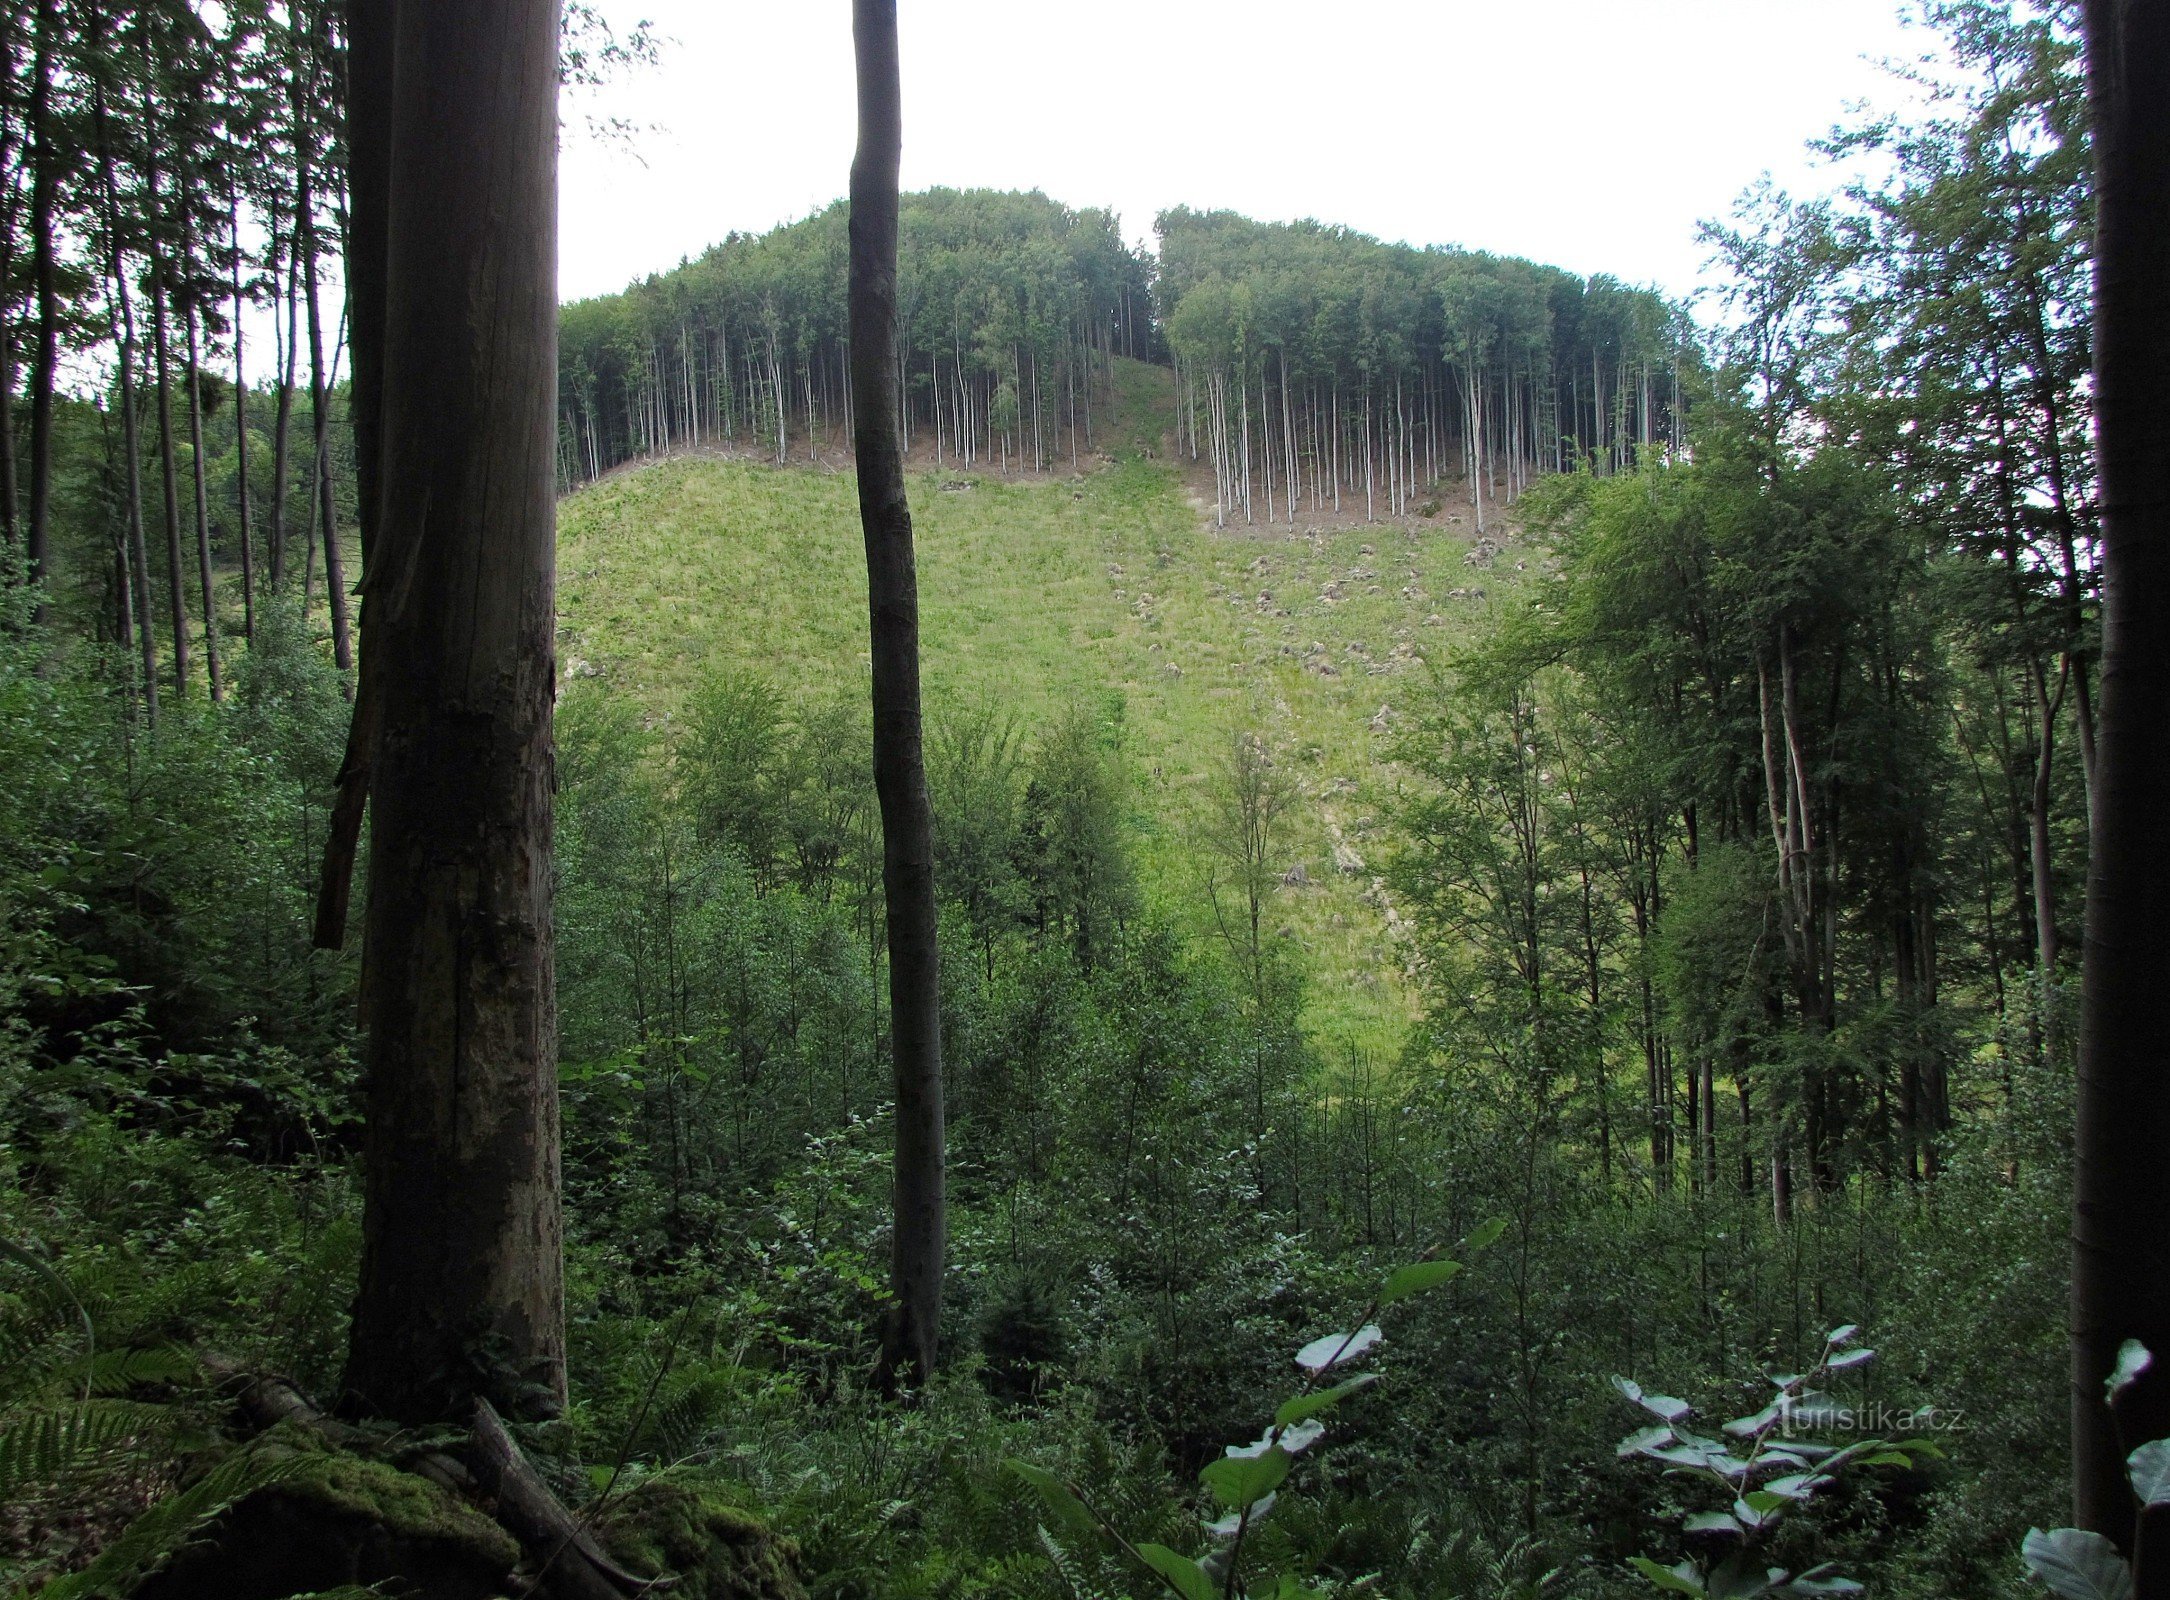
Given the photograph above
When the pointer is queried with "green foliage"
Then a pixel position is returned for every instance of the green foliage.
(1764, 1468)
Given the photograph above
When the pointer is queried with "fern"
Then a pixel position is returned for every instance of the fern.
(118, 1371)
(152, 1538)
(54, 1445)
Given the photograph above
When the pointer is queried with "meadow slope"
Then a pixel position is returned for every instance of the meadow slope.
(1111, 585)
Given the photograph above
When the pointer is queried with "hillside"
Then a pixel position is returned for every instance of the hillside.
(1112, 583)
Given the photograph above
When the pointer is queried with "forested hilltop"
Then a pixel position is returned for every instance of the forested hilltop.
(1510, 863)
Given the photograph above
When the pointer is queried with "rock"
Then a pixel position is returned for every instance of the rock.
(1296, 877)
(1346, 861)
(1382, 719)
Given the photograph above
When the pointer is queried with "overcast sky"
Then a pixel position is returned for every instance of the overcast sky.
(1591, 134)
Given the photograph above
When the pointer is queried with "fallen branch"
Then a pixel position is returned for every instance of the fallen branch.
(567, 1557)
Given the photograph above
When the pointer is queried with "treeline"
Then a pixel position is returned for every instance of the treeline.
(1774, 801)
(1317, 363)
(1009, 308)
(169, 169)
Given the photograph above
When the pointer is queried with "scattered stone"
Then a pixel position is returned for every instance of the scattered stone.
(1382, 719)
(1296, 877)
(1346, 861)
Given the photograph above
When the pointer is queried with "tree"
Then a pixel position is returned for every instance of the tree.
(910, 1341)
(2121, 1195)
(461, 1284)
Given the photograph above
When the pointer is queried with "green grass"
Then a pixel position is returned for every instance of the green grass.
(1038, 594)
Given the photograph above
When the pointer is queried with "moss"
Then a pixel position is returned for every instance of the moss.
(406, 1506)
(715, 1550)
(340, 1520)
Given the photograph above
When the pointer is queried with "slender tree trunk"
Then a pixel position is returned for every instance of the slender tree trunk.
(910, 1341)
(461, 1285)
(176, 583)
(203, 511)
(124, 336)
(335, 577)
(44, 276)
(282, 428)
(2121, 1199)
(241, 439)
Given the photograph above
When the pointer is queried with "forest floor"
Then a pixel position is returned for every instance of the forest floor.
(1108, 583)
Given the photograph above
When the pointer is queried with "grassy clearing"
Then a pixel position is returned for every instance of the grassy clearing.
(1110, 586)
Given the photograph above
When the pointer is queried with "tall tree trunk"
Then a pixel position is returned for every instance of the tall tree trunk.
(2121, 1199)
(370, 81)
(335, 577)
(44, 277)
(176, 582)
(282, 427)
(203, 510)
(123, 319)
(241, 439)
(900, 779)
(462, 1280)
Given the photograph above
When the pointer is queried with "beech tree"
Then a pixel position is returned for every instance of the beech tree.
(461, 1283)
(910, 1340)
(2121, 1195)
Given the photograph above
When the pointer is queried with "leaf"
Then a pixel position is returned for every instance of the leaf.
(1819, 1581)
(1858, 1357)
(1628, 1387)
(2077, 1565)
(1744, 1427)
(1644, 1440)
(1336, 1349)
(1415, 1279)
(1841, 1335)
(1683, 1579)
(1297, 1407)
(1660, 1405)
(2149, 1469)
(1238, 1482)
(1182, 1574)
(1712, 1522)
(1060, 1497)
(2132, 1360)
(1739, 1578)
(1301, 1437)
(1225, 1527)
(1485, 1235)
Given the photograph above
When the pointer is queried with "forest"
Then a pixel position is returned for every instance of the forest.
(950, 906)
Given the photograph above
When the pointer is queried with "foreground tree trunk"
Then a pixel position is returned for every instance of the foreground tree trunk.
(461, 1284)
(2121, 1201)
(910, 1340)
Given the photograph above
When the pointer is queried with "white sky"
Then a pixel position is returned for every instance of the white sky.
(1591, 134)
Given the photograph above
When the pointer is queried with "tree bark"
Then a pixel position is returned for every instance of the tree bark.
(44, 273)
(205, 575)
(2121, 1200)
(461, 1292)
(241, 437)
(910, 1341)
(370, 77)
